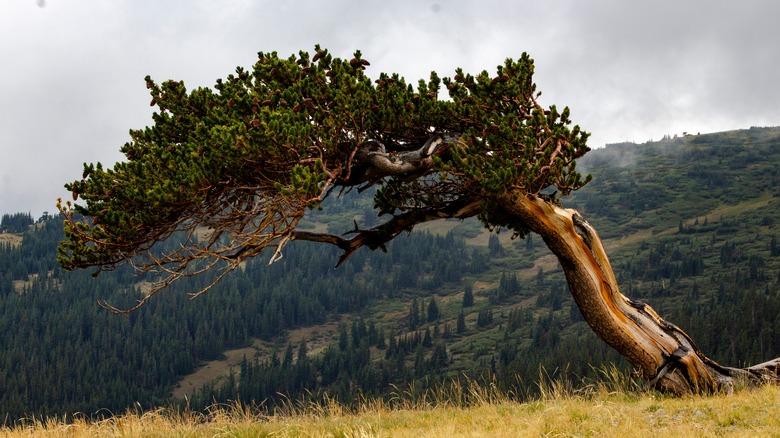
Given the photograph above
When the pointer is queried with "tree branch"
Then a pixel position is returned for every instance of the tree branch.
(372, 161)
(379, 235)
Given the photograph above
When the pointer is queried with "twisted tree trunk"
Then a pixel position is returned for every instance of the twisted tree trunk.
(661, 351)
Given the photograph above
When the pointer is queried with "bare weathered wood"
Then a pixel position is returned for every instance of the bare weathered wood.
(662, 352)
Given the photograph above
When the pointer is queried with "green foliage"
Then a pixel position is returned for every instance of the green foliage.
(514, 144)
(267, 139)
(468, 296)
(253, 153)
(433, 310)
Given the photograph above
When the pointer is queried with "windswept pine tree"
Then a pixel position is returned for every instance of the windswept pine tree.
(234, 169)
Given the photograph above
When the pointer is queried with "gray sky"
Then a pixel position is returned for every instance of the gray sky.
(71, 81)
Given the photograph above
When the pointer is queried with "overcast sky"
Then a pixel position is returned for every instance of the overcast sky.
(71, 75)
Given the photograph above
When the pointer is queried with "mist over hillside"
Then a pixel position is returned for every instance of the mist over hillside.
(690, 224)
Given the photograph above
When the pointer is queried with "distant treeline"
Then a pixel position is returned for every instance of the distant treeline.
(15, 223)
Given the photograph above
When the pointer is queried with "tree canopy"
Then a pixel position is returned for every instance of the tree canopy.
(233, 169)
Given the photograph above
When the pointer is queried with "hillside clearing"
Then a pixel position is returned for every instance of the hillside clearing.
(13, 239)
(316, 337)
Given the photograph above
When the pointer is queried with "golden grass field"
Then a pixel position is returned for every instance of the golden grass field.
(558, 412)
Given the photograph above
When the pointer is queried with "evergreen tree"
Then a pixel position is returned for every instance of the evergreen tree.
(248, 159)
(380, 340)
(468, 296)
(433, 310)
(439, 358)
(427, 340)
(484, 317)
(495, 249)
(16, 223)
(414, 315)
(302, 354)
(288, 356)
(460, 325)
(447, 334)
(343, 337)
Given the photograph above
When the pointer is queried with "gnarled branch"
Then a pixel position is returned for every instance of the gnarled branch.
(379, 235)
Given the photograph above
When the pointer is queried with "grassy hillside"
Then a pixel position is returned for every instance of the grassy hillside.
(596, 411)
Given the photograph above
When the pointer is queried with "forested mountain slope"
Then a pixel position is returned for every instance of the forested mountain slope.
(690, 223)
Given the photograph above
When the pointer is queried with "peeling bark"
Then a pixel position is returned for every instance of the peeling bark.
(662, 352)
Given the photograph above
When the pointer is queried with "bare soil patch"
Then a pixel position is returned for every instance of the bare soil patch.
(217, 369)
(317, 338)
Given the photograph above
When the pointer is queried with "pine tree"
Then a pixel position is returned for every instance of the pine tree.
(248, 159)
(495, 249)
(380, 340)
(302, 355)
(439, 358)
(288, 356)
(414, 315)
(468, 296)
(460, 325)
(427, 340)
(343, 337)
(433, 310)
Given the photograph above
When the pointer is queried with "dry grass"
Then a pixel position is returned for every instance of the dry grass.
(213, 370)
(464, 410)
(13, 239)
